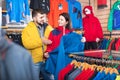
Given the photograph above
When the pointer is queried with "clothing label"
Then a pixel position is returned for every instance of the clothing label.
(60, 6)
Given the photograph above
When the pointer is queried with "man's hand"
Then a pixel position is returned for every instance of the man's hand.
(46, 41)
(46, 55)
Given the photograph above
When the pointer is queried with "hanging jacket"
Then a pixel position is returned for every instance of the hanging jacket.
(32, 41)
(75, 13)
(59, 58)
(117, 45)
(43, 5)
(114, 17)
(91, 26)
(16, 9)
(101, 3)
(55, 37)
(56, 7)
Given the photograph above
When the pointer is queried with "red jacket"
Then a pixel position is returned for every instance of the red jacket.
(101, 2)
(55, 37)
(92, 27)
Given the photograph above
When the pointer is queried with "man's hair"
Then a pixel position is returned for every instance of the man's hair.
(36, 11)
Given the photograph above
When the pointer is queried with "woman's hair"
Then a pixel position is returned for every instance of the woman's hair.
(67, 18)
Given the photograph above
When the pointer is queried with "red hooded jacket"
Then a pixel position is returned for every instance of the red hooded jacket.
(91, 26)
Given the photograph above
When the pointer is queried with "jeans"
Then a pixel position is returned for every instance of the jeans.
(40, 70)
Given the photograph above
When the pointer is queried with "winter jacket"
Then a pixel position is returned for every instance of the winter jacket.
(15, 62)
(16, 9)
(75, 13)
(59, 58)
(56, 7)
(55, 37)
(91, 26)
(32, 41)
(43, 5)
(114, 17)
(102, 3)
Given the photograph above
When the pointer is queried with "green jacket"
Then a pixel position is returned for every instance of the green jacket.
(110, 19)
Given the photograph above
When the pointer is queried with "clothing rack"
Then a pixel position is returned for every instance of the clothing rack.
(15, 36)
(9, 31)
(95, 60)
(111, 34)
(106, 54)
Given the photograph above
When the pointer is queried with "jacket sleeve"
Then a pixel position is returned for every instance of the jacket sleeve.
(50, 46)
(30, 41)
(99, 30)
(110, 20)
(27, 11)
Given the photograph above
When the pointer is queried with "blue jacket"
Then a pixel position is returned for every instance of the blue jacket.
(59, 57)
(15, 62)
(16, 8)
(114, 17)
(75, 12)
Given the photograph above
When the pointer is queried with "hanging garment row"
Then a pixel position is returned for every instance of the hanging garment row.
(95, 60)
(102, 54)
(84, 71)
(15, 37)
(110, 44)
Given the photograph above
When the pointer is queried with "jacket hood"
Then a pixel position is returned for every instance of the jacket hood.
(90, 8)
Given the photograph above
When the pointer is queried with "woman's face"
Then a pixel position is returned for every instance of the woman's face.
(62, 21)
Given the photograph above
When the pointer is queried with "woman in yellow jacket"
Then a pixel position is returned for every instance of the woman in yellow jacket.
(34, 38)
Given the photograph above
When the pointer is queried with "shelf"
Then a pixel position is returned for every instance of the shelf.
(4, 11)
(4, 27)
(15, 26)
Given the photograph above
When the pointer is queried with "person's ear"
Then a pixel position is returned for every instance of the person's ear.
(34, 19)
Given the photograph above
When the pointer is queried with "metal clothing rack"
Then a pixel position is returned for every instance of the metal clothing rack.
(95, 60)
(105, 53)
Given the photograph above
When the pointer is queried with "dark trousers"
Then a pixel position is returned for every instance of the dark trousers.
(90, 45)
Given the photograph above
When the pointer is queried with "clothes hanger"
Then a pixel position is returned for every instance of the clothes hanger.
(73, 62)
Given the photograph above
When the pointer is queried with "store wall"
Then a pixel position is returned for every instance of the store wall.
(101, 14)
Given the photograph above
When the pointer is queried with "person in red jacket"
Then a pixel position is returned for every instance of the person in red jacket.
(55, 36)
(92, 29)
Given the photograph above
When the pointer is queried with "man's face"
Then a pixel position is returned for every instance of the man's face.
(39, 18)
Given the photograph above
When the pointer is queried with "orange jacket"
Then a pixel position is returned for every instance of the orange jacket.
(56, 7)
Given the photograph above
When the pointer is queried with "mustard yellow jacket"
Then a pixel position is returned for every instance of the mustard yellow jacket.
(32, 41)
